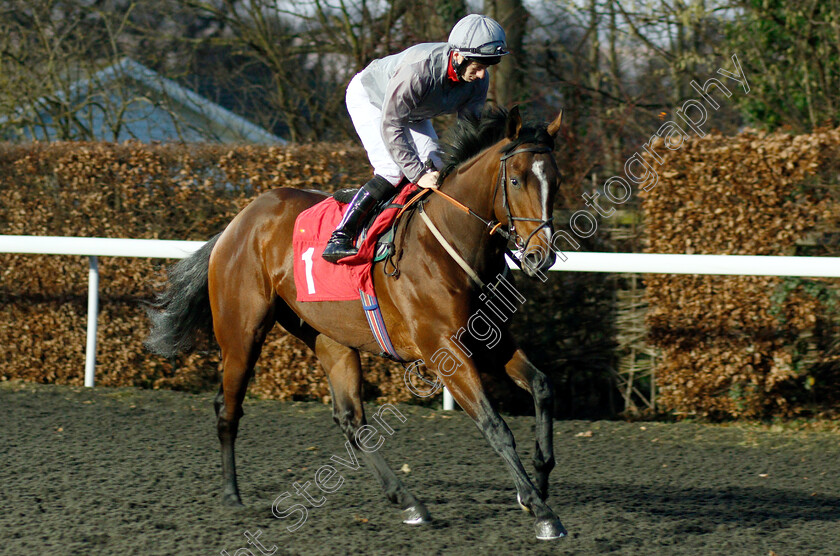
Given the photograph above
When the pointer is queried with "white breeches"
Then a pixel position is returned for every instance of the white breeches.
(367, 119)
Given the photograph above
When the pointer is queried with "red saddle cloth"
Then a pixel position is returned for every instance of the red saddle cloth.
(318, 280)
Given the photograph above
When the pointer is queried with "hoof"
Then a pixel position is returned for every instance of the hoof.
(525, 508)
(232, 501)
(548, 529)
(416, 515)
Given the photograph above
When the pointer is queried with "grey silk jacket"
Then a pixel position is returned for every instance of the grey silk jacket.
(413, 86)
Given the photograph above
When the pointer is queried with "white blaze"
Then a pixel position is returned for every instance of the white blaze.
(538, 168)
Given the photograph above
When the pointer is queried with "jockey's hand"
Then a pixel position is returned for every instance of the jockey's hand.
(428, 180)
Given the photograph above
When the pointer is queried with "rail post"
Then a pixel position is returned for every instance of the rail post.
(448, 401)
(93, 313)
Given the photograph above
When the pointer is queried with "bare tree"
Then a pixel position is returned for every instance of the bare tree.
(790, 50)
(299, 55)
(510, 77)
(45, 47)
(64, 75)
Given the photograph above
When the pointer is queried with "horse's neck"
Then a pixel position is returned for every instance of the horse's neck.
(473, 185)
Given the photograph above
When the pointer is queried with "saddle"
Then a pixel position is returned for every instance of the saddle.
(319, 280)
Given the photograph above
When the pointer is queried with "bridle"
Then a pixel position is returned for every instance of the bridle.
(495, 226)
(511, 231)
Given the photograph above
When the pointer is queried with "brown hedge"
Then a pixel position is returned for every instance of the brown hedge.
(745, 346)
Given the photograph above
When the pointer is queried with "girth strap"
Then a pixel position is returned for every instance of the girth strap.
(377, 325)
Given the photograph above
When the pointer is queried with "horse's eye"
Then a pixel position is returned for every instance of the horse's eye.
(514, 182)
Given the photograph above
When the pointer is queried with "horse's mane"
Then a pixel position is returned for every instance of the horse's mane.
(470, 136)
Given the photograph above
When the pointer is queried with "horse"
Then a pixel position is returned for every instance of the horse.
(240, 284)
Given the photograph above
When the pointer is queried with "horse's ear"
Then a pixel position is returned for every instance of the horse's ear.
(514, 123)
(554, 126)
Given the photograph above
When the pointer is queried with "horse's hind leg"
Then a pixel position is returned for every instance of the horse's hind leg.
(240, 324)
(344, 371)
(530, 378)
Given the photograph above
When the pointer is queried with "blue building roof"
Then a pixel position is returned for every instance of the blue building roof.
(129, 101)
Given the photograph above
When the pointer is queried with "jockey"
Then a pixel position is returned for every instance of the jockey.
(392, 102)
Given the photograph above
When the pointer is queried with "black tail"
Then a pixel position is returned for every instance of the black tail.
(180, 312)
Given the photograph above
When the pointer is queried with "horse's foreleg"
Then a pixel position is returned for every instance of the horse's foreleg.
(343, 368)
(530, 378)
(465, 385)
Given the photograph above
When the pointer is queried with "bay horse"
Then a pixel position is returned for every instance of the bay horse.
(240, 283)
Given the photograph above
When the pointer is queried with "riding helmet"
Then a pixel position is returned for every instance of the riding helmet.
(480, 38)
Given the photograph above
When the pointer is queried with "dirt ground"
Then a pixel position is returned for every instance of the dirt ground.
(127, 471)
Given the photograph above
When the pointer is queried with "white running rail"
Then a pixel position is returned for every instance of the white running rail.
(93, 247)
(642, 263)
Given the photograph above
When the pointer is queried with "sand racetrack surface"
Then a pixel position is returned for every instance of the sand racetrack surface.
(127, 471)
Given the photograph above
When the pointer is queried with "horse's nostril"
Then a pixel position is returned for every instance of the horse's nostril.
(552, 258)
(538, 259)
(533, 260)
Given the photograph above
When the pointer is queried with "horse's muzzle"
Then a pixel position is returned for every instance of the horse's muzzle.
(537, 260)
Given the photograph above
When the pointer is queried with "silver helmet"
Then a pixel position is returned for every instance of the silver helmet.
(479, 38)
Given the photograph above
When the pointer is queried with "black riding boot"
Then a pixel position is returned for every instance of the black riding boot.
(340, 244)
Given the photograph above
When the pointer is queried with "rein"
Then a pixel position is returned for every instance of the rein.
(493, 225)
